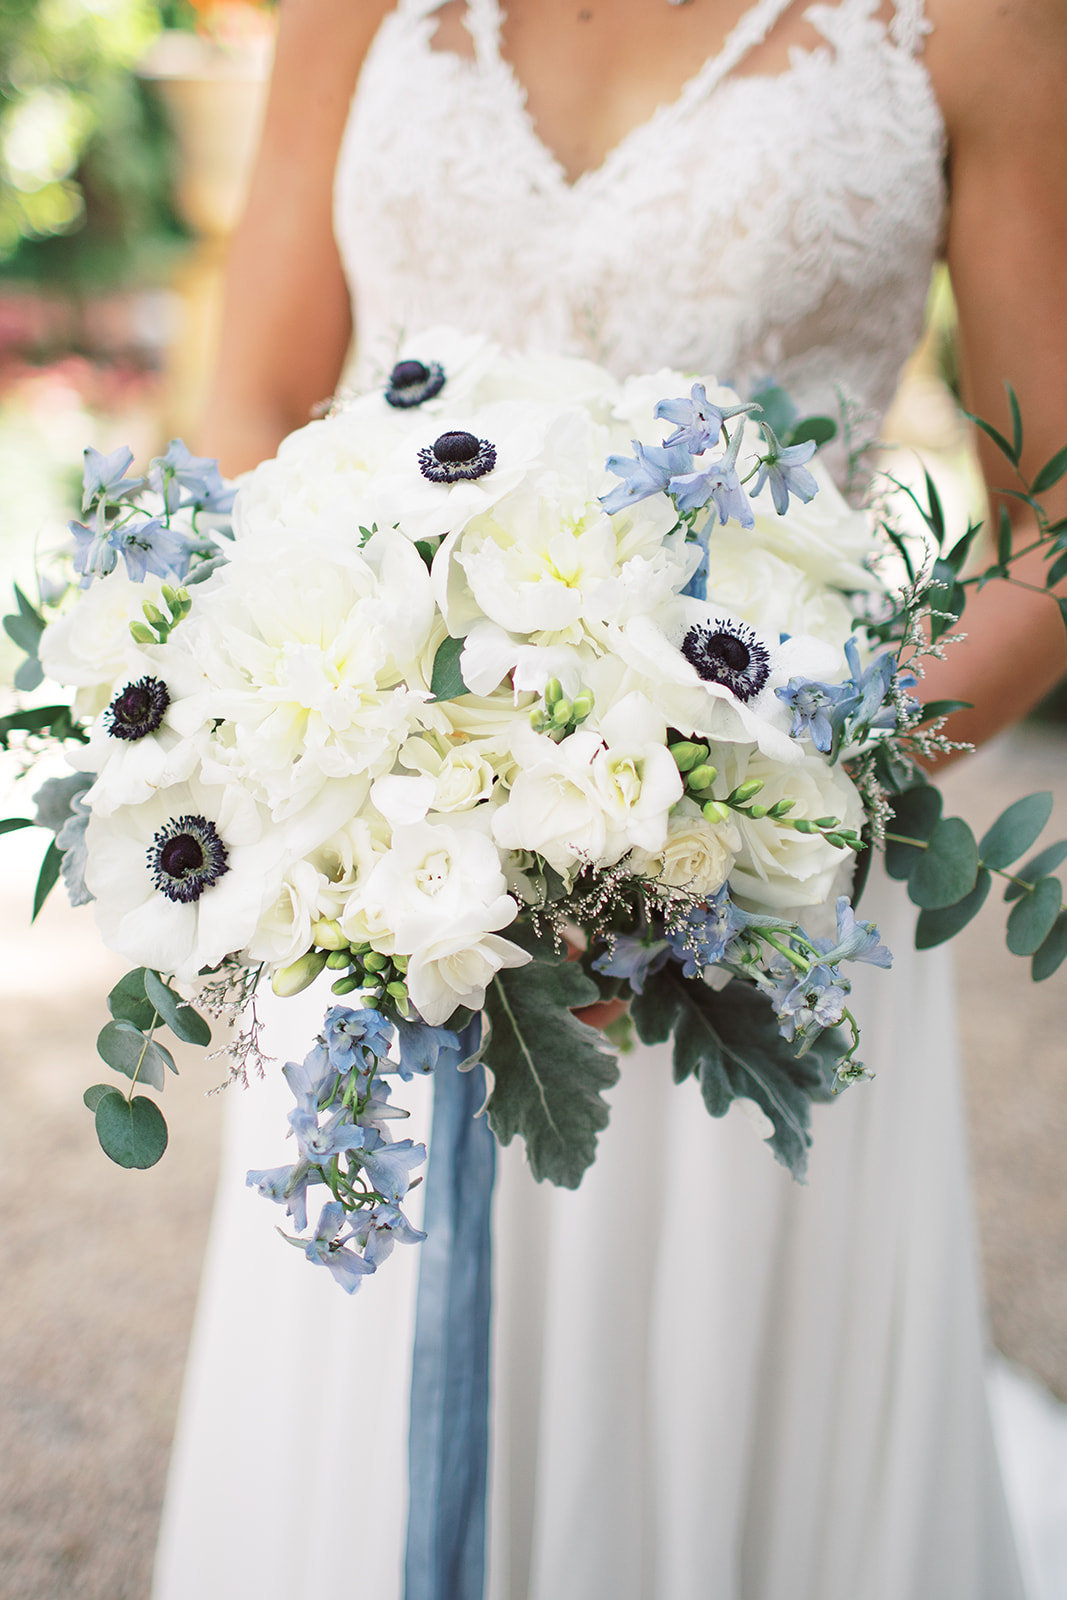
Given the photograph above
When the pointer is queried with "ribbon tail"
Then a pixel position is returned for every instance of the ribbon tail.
(448, 1441)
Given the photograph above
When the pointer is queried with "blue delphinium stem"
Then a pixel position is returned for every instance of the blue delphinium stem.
(448, 1442)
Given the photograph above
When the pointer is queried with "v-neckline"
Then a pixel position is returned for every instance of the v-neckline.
(750, 29)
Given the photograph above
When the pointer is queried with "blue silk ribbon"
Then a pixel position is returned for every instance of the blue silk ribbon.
(448, 1440)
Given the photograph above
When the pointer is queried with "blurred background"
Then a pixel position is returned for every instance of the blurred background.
(126, 130)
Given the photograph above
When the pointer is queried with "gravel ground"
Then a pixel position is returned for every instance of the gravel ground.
(100, 1266)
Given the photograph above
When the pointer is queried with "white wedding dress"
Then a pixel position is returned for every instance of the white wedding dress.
(709, 1383)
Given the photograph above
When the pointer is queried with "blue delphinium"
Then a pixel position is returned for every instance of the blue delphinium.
(198, 476)
(327, 1249)
(104, 476)
(145, 547)
(807, 1004)
(718, 484)
(818, 709)
(872, 706)
(423, 1048)
(698, 421)
(388, 1166)
(347, 1033)
(376, 1231)
(648, 472)
(783, 467)
(633, 957)
(701, 938)
(856, 941)
(288, 1186)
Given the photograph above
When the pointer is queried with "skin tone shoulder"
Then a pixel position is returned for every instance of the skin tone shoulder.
(592, 70)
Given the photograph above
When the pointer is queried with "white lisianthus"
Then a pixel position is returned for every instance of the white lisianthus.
(305, 643)
(90, 646)
(345, 859)
(778, 870)
(697, 855)
(181, 881)
(456, 968)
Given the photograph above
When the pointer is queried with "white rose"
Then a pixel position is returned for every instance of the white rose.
(826, 537)
(778, 870)
(284, 929)
(771, 594)
(461, 775)
(697, 855)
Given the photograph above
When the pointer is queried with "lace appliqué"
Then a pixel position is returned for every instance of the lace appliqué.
(756, 226)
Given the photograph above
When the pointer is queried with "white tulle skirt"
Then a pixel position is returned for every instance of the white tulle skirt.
(709, 1383)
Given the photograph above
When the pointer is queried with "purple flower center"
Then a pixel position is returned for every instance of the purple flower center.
(731, 656)
(138, 709)
(456, 455)
(186, 857)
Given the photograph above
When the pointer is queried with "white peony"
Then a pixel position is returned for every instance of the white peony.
(773, 595)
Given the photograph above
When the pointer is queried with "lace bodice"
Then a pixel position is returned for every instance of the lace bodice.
(753, 227)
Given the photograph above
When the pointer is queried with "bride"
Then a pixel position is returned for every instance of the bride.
(707, 1381)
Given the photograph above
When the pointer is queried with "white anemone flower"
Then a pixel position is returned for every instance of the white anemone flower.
(181, 880)
(713, 675)
(134, 746)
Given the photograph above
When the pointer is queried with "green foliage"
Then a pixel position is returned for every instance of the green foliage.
(126, 1049)
(179, 1017)
(446, 682)
(132, 1132)
(729, 1041)
(1032, 916)
(915, 815)
(1053, 952)
(1038, 866)
(548, 1068)
(84, 150)
(1015, 830)
(47, 877)
(946, 870)
(936, 926)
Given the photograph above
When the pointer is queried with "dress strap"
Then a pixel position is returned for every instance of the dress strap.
(910, 25)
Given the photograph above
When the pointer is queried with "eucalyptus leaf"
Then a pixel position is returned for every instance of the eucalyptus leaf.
(779, 412)
(548, 1068)
(96, 1092)
(915, 815)
(934, 927)
(24, 631)
(1038, 866)
(821, 429)
(446, 682)
(47, 877)
(133, 1133)
(1015, 830)
(1053, 952)
(947, 869)
(180, 1017)
(128, 1050)
(128, 1002)
(1032, 917)
(29, 674)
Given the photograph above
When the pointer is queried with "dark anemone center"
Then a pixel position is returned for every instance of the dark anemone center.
(407, 374)
(733, 657)
(181, 855)
(456, 447)
(138, 709)
(186, 857)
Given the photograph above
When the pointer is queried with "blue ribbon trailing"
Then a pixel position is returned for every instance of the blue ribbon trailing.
(448, 1440)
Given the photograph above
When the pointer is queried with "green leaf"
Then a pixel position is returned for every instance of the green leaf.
(25, 631)
(934, 516)
(946, 596)
(730, 1041)
(961, 549)
(1032, 917)
(96, 1092)
(1016, 422)
(1056, 572)
(128, 1002)
(127, 1049)
(446, 682)
(1004, 537)
(948, 867)
(46, 878)
(1038, 866)
(934, 927)
(821, 429)
(1062, 603)
(656, 1011)
(13, 824)
(29, 674)
(1051, 472)
(1053, 952)
(779, 412)
(27, 607)
(133, 1133)
(915, 814)
(176, 1013)
(942, 708)
(1015, 830)
(992, 433)
(548, 1068)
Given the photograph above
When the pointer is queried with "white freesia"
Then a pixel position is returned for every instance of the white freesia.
(435, 878)
(635, 776)
(555, 806)
(456, 968)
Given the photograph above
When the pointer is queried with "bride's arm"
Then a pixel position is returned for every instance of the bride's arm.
(286, 319)
(998, 72)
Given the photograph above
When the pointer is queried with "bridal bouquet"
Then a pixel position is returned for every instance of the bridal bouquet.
(502, 690)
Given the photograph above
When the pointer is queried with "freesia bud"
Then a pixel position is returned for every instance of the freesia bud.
(291, 980)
